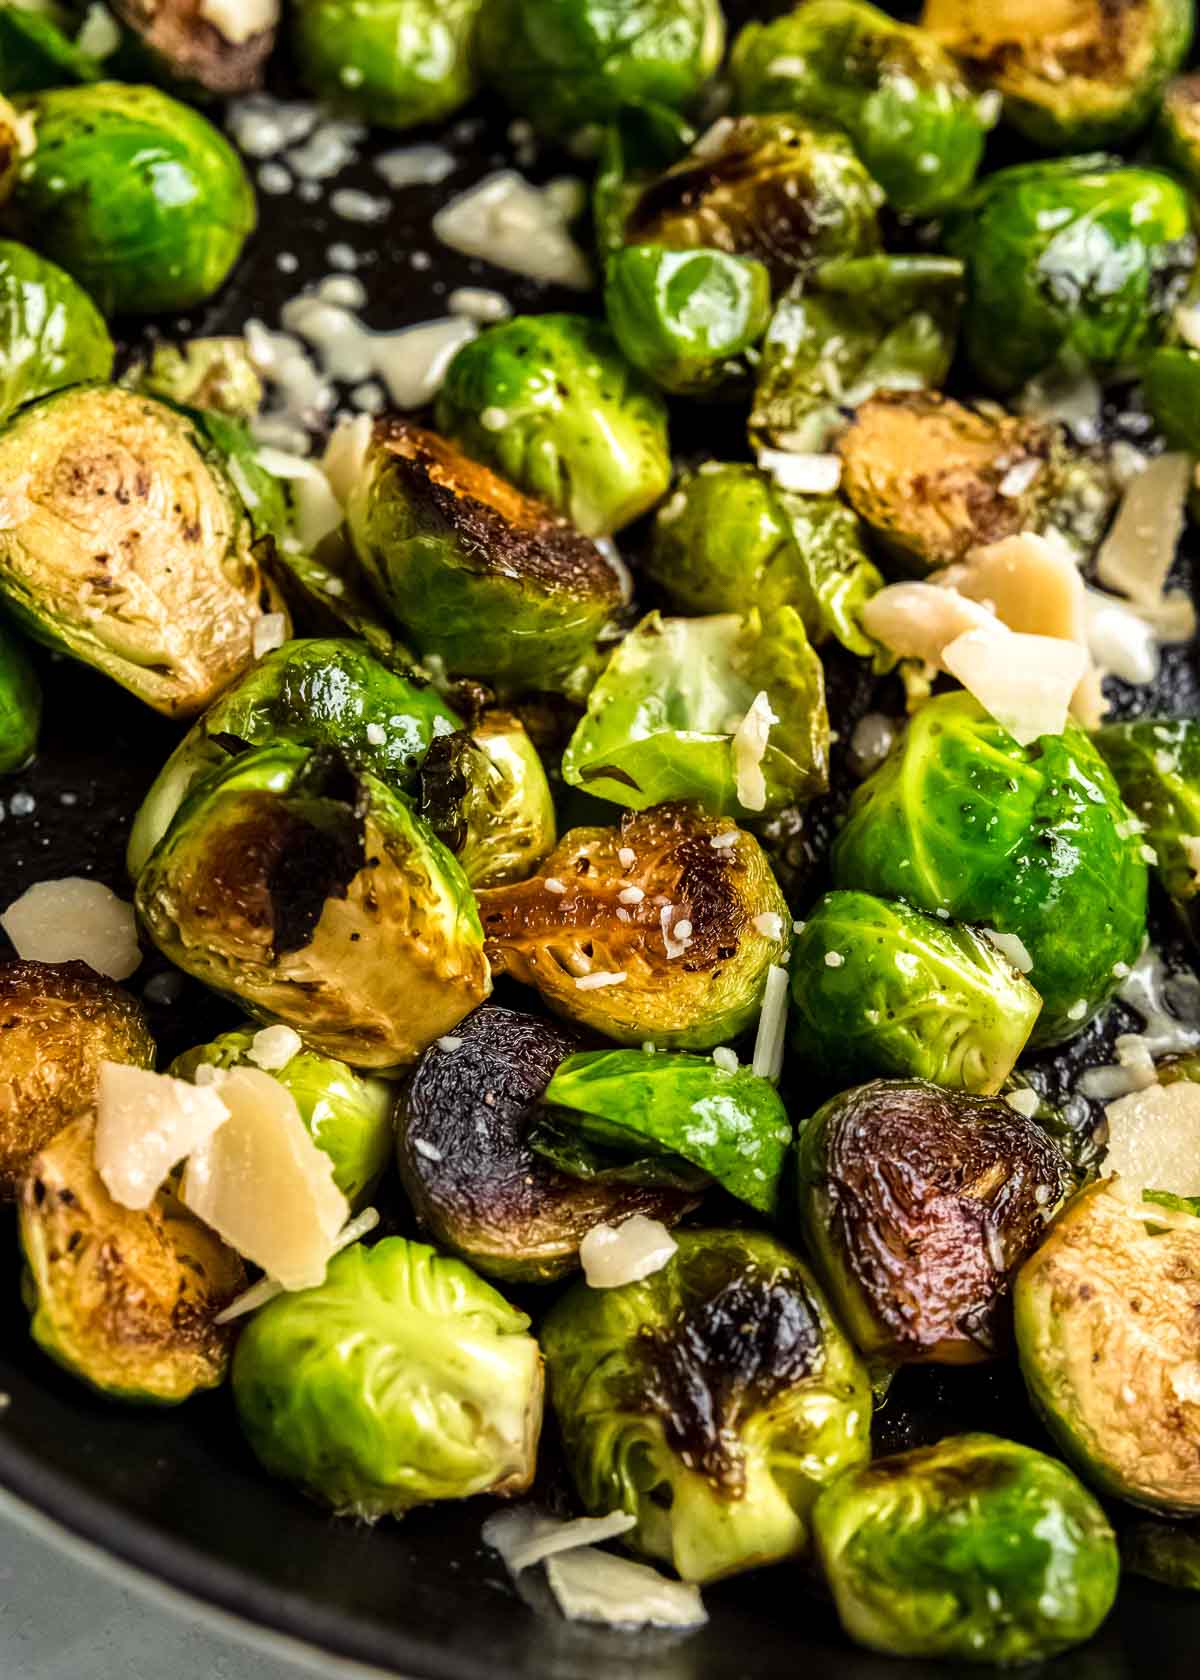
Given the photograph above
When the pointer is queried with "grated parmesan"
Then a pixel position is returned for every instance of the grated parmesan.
(525, 1536)
(74, 919)
(1012, 946)
(272, 1048)
(514, 225)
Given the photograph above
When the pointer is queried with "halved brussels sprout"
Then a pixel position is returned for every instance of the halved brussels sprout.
(1163, 1552)
(403, 1378)
(1106, 1313)
(712, 1401)
(1171, 389)
(976, 1549)
(686, 317)
(314, 895)
(549, 401)
(641, 141)
(1157, 767)
(58, 1022)
(392, 63)
(205, 373)
(647, 932)
(124, 544)
(895, 90)
(51, 333)
(464, 1156)
(916, 1204)
(664, 719)
(126, 1301)
(36, 53)
(1073, 73)
(486, 797)
(1176, 136)
(1033, 841)
(20, 704)
(206, 49)
(1077, 261)
(883, 989)
(135, 195)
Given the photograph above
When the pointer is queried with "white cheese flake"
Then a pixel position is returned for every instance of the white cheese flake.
(266, 1288)
(416, 166)
(514, 225)
(595, 1586)
(834, 959)
(725, 1058)
(146, 1123)
(613, 1255)
(1141, 546)
(1013, 947)
(525, 1536)
(272, 1048)
(270, 632)
(806, 474)
(1154, 1138)
(767, 1061)
(239, 20)
(769, 923)
(74, 920)
(748, 745)
(1023, 1101)
(1025, 682)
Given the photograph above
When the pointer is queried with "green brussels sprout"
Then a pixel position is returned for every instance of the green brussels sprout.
(879, 988)
(1163, 1552)
(566, 63)
(1033, 841)
(402, 1379)
(127, 546)
(781, 189)
(205, 373)
(1072, 74)
(51, 333)
(895, 90)
(135, 195)
(1157, 768)
(313, 895)
(486, 797)
(665, 720)
(976, 1549)
(125, 1301)
(730, 539)
(550, 402)
(1171, 388)
(1074, 261)
(392, 63)
(844, 331)
(685, 317)
(641, 141)
(1176, 137)
(35, 53)
(20, 704)
(712, 1401)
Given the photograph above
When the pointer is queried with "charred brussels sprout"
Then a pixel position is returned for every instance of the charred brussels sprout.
(403, 1378)
(1106, 1311)
(1157, 767)
(686, 317)
(1162, 1552)
(917, 1203)
(685, 965)
(394, 63)
(1177, 132)
(1075, 261)
(20, 704)
(641, 141)
(124, 543)
(1033, 841)
(880, 988)
(315, 896)
(712, 1401)
(895, 90)
(667, 718)
(58, 1022)
(486, 797)
(550, 402)
(51, 333)
(135, 195)
(976, 1549)
(126, 1301)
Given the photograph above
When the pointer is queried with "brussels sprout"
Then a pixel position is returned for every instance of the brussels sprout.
(1105, 1315)
(916, 1204)
(659, 935)
(566, 63)
(58, 1022)
(1171, 388)
(124, 544)
(898, 94)
(135, 195)
(1157, 767)
(36, 53)
(712, 1401)
(51, 333)
(402, 1379)
(179, 41)
(1083, 73)
(1075, 261)
(205, 373)
(777, 188)
(664, 720)
(313, 895)
(881, 988)
(16, 142)
(641, 141)
(486, 797)
(730, 539)
(1163, 1552)
(126, 1301)
(685, 317)
(1033, 841)
(394, 63)
(20, 704)
(976, 1548)
(1176, 137)
(549, 401)
(849, 328)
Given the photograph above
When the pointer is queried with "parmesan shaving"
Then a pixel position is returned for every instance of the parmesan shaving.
(805, 473)
(1154, 1138)
(272, 1048)
(269, 633)
(317, 510)
(416, 166)
(346, 454)
(1140, 548)
(767, 1062)
(595, 1586)
(74, 920)
(506, 221)
(525, 1536)
(1025, 682)
(748, 745)
(146, 1123)
(1012, 946)
(612, 1255)
(919, 620)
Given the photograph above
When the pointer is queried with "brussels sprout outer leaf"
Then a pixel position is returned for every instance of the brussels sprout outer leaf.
(51, 333)
(20, 704)
(1157, 768)
(1162, 1552)
(392, 63)
(685, 317)
(1171, 388)
(642, 140)
(556, 1137)
(36, 54)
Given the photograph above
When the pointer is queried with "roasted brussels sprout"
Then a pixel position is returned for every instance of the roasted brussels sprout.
(668, 717)
(730, 539)
(205, 373)
(1176, 136)
(205, 49)
(51, 333)
(490, 581)
(36, 53)
(1163, 1552)
(123, 543)
(895, 90)
(549, 401)
(976, 1549)
(394, 63)
(1157, 767)
(486, 797)
(16, 141)
(1077, 73)
(20, 704)
(463, 1149)
(1033, 841)
(314, 895)
(712, 1401)
(642, 140)
(1171, 389)
(126, 1301)
(916, 1204)
(134, 194)
(1069, 262)
(881, 988)
(403, 1378)
(659, 935)
(686, 317)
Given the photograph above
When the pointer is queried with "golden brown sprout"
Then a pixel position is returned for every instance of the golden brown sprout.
(192, 48)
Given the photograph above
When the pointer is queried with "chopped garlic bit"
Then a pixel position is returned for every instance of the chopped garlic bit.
(772, 1025)
(748, 745)
(1013, 947)
(517, 226)
(525, 1536)
(601, 977)
(1154, 1138)
(146, 1123)
(273, 1048)
(74, 920)
(612, 1255)
(1025, 682)
(595, 1586)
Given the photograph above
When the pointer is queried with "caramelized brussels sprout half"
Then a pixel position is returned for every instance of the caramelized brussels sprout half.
(659, 936)
(402, 1379)
(391, 63)
(20, 704)
(486, 797)
(1157, 768)
(686, 317)
(207, 50)
(1176, 137)
(36, 53)
(125, 1301)
(1163, 1552)
(51, 333)
(976, 1549)
(712, 1401)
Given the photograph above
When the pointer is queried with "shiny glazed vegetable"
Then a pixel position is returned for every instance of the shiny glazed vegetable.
(20, 704)
(1176, 136)
(686, 317)
(486, 797)
(391, 62)
(51, 333)
(1157, 768)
